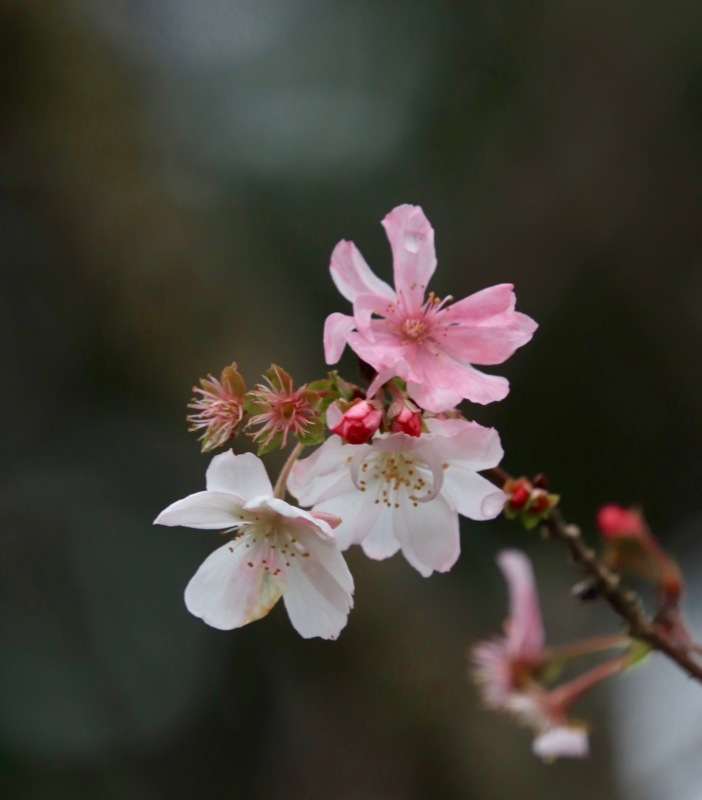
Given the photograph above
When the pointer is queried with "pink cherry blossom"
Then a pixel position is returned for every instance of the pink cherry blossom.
(404, 492)
(503, 662)
(508, 669)
(277, 550)
(430, 343)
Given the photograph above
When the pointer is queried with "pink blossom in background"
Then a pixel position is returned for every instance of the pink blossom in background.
(501, 663)
(401, 332)
(403, 492)
(507, 669)
(278, 550)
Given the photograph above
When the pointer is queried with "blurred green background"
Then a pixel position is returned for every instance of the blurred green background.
(173, 178)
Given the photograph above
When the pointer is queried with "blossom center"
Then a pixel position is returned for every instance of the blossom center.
(395, 478)
(272, 547)
(415, 329)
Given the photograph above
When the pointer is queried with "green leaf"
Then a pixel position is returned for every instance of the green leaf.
(274, 443)
(314, 435)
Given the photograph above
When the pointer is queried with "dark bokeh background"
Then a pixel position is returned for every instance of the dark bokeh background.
(173, 178)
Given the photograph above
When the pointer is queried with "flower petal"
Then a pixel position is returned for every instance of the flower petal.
(466, 444)
(318, 596)
(490, 342)
(312, 477)
(472, 495)
(243, 475)
(446, 382)
(483, 305)
(336, 332)
(414, 258)
(357, 515)
(565, 741)
(204, 510)
(226, 593)
(430, 536)
(353, 276)
(525, 632)
(380, 541)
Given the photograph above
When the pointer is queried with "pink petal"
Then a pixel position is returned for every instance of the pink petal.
(430, 536)
(336, 332)
(226, 593)
(482, 305)
(525, 630)
(446, 382)
(386, 354)
(204, 510)
(244, 475)
(490, 342)
(353, 276)
(414, 258)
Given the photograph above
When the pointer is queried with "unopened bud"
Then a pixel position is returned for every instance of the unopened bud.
(358, 423)
(614, 521)
(519, 498)
(409, 422)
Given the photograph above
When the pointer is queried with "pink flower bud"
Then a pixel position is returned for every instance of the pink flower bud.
(408, 422)
(614, 521)
(358, 423)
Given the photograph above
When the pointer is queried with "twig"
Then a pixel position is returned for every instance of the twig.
(621, 600)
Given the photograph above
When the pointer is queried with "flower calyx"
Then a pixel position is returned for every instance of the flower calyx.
(279, 410)
(219, 408)
(528, 500)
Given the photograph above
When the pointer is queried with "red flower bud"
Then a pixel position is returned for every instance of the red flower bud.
(408, 422)
(540, 501)
(614, 521)
(520, 496)
(358, 423)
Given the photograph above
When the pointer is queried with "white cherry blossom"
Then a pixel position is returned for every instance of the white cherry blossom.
(402, 492)
(277, 550)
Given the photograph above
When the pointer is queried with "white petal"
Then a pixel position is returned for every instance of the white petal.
(244, 475)
(561, 741)
(381, 540)
(226, 593)
(472, 495)
(430, 537)
(318, 595)
(206, 510)
(465, 443)
(357, 515)
(312, 477)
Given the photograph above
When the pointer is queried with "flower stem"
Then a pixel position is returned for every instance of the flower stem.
(593, 644)
(567, 693)
(282, 483)
(622, 601)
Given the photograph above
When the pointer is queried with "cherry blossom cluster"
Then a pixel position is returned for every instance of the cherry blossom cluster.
(396, 463)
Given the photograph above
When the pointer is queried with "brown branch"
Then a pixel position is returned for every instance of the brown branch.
(624, 602)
